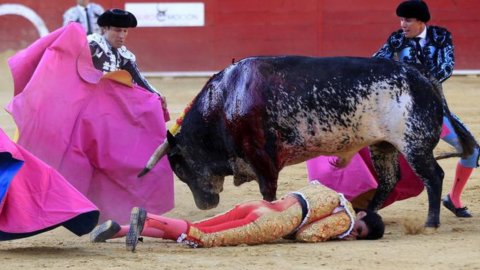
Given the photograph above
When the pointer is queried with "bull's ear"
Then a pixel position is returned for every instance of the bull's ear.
(171, 139)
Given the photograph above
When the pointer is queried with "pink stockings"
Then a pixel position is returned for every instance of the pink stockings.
(158, 227)
(170, 228)
(164, 227)
(241, 215)
(461, 177)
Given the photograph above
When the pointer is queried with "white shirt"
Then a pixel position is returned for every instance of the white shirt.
(423, 37)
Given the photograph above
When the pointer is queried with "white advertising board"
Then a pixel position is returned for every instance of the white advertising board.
(168, 14)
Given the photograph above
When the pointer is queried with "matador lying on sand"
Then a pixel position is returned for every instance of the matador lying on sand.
(314, 213)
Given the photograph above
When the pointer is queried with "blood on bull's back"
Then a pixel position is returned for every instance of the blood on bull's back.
(331, 107)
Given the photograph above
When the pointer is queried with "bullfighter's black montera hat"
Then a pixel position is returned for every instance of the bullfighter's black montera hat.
(414, 9)
(118, 18)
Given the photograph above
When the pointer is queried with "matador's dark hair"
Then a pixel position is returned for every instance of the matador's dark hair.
(374, 222)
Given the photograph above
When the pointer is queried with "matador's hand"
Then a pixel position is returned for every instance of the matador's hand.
(166, 115)
(164, 100)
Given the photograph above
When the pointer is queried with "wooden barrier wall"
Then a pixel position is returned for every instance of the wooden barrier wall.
(238, 28)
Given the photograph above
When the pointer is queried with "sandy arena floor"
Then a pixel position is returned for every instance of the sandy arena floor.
(455, 245)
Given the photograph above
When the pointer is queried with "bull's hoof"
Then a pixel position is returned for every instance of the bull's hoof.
(433, 225)
(430, 230)
(270, 198)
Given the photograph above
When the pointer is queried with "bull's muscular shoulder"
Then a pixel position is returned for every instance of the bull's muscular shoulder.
(440, 36)
(396, 39)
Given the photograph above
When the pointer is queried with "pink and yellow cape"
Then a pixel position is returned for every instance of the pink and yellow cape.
(97, 131)
(35, 198)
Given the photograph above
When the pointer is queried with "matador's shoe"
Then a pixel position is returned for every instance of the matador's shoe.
(459, 212)
(104, 231)
(137, 220)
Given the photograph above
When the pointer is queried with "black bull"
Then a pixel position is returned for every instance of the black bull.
(264, 113)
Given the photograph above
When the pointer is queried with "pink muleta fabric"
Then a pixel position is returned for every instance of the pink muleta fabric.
(37, 198)
(98, 133)
(359, 177)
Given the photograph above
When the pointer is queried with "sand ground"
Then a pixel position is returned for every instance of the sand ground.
(455, 245)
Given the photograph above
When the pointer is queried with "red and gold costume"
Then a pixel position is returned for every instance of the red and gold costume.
(312, 214)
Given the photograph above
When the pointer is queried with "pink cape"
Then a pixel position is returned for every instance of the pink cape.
(359, 177)
(36, 198)
(98, 133)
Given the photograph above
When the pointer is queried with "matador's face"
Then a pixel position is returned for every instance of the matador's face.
(411, 27)
(116, 36)
(360, 228)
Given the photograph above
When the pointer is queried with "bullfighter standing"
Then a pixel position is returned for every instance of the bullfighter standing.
(110, 54)
(432, 47)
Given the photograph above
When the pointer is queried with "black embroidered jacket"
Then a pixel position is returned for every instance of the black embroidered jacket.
(107, 59)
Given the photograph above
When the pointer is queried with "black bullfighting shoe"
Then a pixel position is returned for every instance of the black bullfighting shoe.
(104, 231)
(137, 220)
(459, 212)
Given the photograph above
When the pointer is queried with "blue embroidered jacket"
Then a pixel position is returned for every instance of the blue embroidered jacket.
(437, 51)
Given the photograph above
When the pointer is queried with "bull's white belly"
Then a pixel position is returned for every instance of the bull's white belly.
(378, 118)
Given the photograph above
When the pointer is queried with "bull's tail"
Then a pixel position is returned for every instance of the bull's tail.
(448, 155)
(465, 137)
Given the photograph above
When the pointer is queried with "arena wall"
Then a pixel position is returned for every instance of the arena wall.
(234, 29)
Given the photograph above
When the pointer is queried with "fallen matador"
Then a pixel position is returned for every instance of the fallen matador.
(314, 213)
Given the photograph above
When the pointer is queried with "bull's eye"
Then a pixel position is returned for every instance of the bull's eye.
(175, 159)
(179, 166)
(174, 151)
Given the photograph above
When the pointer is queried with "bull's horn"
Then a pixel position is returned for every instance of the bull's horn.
(161, 150)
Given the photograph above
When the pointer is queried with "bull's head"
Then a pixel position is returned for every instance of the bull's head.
(203, 179)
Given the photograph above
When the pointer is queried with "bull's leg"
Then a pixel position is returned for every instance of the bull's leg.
(427, 168)
(267, 178)
(385, 162)
(266, 171)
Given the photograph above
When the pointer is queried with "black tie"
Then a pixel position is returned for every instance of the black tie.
(419, 49)
(89, 27)
(115, 52)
